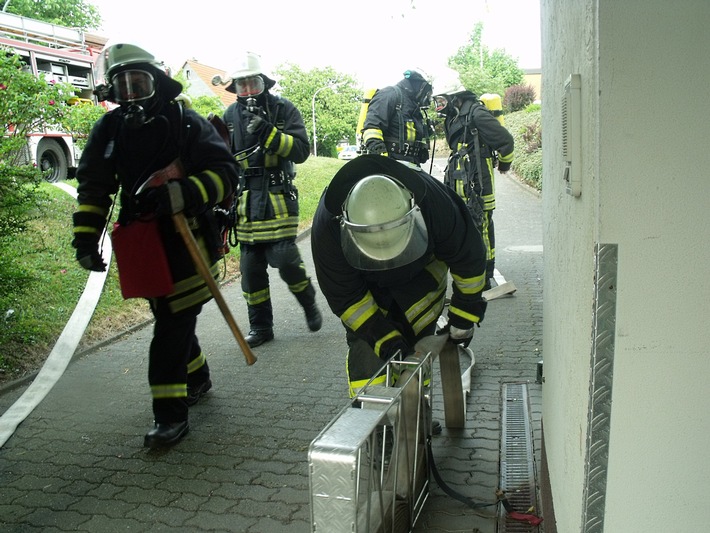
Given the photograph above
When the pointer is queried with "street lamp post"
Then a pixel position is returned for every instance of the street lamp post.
(313, 114)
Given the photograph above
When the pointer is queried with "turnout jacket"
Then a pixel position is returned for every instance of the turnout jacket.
(462, 170)
(118, 158)
(267, 207)
(361, 299)
(394, 117)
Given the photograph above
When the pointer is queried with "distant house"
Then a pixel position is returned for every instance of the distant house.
(533, 77)
(199, 79)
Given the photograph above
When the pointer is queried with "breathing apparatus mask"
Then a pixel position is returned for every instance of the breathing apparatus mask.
(134, 91)
(420, 87)
(250, 91)
(133, 78)
(442, 105)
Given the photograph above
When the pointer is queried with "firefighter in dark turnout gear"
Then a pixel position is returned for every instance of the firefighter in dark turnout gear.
(268, 137)
(126, 149)
(395, 125)
(384, 238)
(478, 143)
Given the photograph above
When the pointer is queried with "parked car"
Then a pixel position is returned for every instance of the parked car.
(347, 153)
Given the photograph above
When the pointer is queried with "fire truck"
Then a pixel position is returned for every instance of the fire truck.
(59, 54)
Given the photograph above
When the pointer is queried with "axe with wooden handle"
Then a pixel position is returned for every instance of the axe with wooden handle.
(172, 172)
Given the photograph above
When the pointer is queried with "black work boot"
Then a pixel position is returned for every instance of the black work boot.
(257, 337)
(313, 317)
(166, 434)
(198, 391)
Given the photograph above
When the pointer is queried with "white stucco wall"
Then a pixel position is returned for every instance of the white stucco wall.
(646, 125)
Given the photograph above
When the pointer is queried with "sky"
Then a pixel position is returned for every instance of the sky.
(374, 43)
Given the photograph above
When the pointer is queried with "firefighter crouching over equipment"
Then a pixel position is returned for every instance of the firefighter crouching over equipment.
(478, 142)
(269, 137)
(384, 238)
(149, 135)
(395, 125)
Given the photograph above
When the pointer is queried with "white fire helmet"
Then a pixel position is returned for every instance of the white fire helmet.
(248, 79)
(124, 84)
(382, 227)
(447, 84)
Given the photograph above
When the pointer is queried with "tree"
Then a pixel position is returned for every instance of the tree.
(336, 106)
(483, 71)
(27, 104)
(72, 13)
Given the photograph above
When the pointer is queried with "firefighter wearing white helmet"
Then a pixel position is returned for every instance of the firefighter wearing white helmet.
(158, 159)
(396, 124)
(479, 143)
(384, 238)
(269, 137)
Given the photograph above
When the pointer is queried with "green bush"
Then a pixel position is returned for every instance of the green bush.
(518, 97)
(526, 128)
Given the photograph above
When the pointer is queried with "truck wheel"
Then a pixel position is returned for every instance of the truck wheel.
(51, 160)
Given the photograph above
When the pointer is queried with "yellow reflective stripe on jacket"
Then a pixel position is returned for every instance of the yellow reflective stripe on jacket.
(94, 209)
(267, 230)
(489, 200)
(428, 309)
(378, 344)
(410, 131)
(88, 229)
(469, 285)
(285, 145)
(508, 158)
(356, 315)
(461, 313)
(216, 181)
(372, 133)
(174, 390)
(191, 291)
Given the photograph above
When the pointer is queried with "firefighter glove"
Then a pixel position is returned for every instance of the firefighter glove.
(461, 336)
(376, 146)
(259, 126)
(90, 258)
(396, 345)
(172, 197)
(503, 167)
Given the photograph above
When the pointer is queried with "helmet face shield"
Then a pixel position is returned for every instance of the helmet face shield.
(132, 86)
(441, 102)
(384, 246)
(251, 86)
(381, 226)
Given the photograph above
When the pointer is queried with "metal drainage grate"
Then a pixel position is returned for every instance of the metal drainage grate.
(517, 472)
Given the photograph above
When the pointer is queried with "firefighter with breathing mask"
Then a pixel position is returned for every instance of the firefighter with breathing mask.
(396, 124)
(479, 143)
(130, 149)
(384, 239)
(269, 138)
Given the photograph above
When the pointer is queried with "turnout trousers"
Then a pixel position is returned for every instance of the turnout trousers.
(254, 262)
(176, 360)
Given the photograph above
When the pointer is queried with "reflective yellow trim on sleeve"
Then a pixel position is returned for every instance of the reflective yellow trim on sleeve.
(470, 285)
(372, 133)
(356, 315)
(466, 316)
(95, 209)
